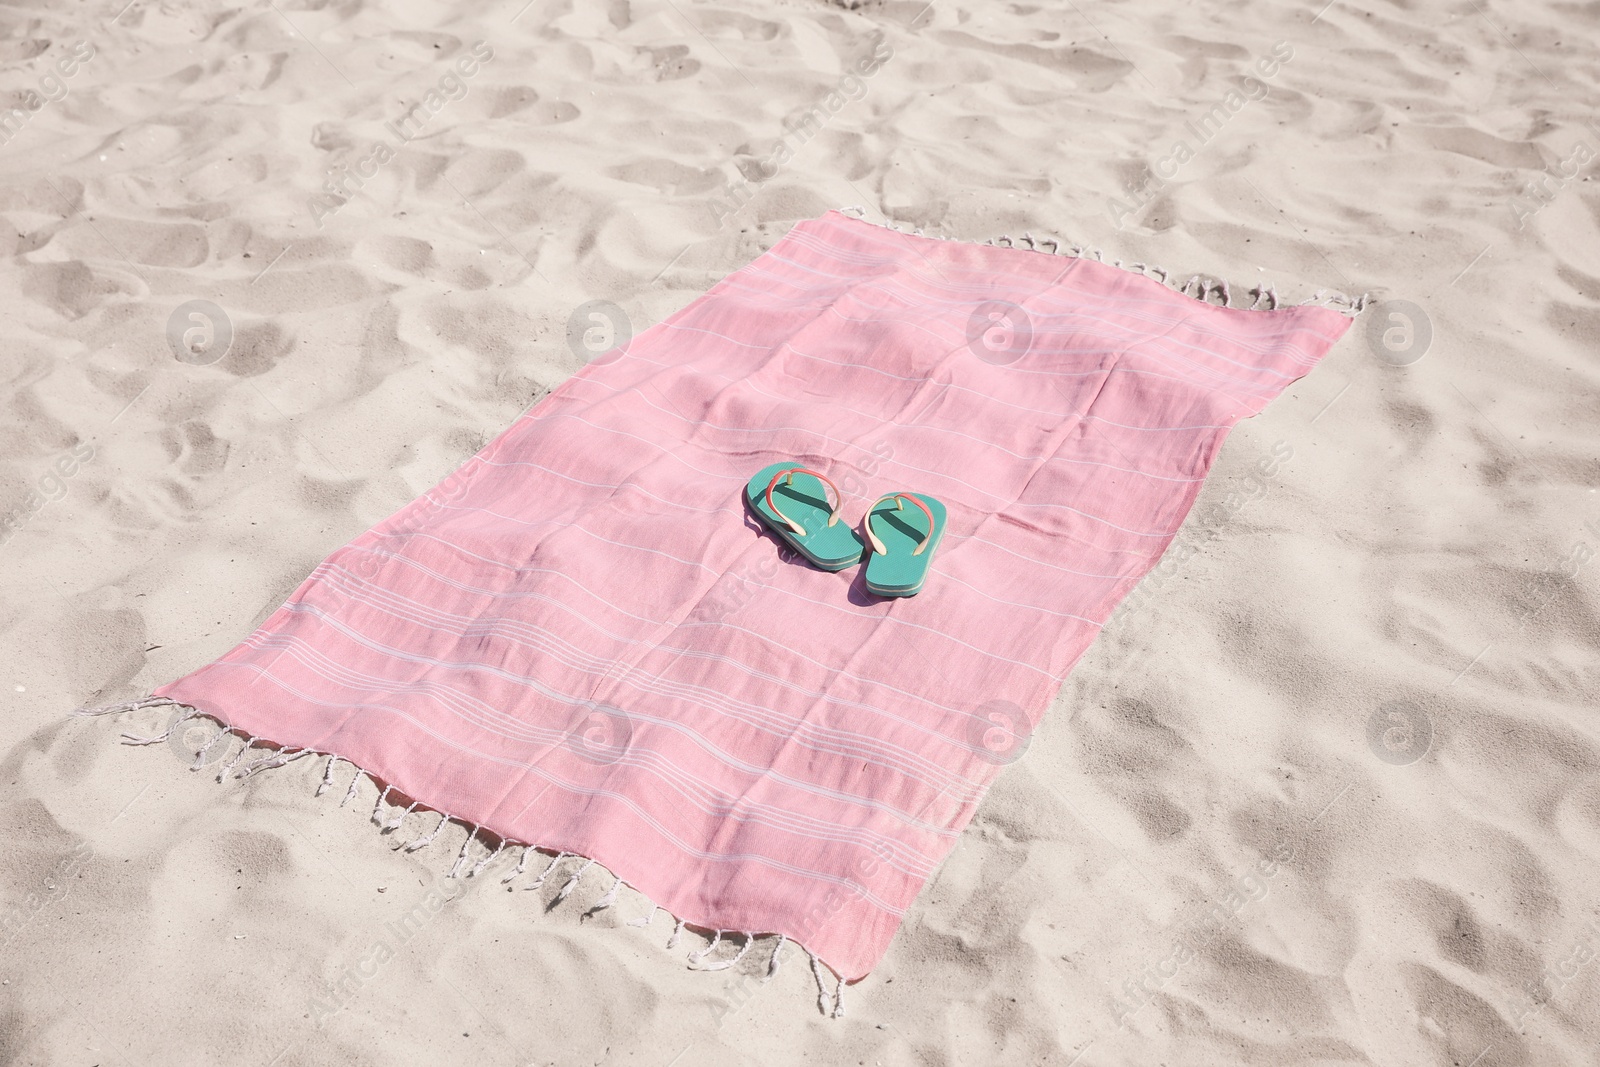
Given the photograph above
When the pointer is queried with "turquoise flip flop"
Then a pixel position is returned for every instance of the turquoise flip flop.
(901, 557)
(799, 512)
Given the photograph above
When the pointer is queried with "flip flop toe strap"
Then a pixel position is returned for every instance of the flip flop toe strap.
(900, 505)
(788, 479)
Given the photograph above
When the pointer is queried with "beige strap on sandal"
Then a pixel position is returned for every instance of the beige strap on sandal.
(900, 505)
(788, 479)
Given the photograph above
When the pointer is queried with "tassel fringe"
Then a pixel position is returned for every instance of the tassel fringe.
(772, 964)
(461, 857)
(722, 965)
(351, 792)
(327, 777)
(222, 775)
(822, 990)
(1199, 287)
(539, 881)
(200, 757)
(399, 820)
(572, 883)
(829, 1003)
(161, 738)
(282, 758)
(377, 809)
(126, 705)
(831, 1006)
(522, 864)
(488, 859)
(696, 957)
(608, 900)
(424, 842)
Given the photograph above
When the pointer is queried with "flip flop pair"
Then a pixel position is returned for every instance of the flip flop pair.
(793, 501)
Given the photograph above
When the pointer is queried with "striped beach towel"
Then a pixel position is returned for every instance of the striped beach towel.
(581, 641)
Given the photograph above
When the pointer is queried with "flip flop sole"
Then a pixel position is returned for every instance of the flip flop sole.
(900, 573)
(832, 548)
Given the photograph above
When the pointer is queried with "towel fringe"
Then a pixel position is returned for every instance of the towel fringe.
(572, 883)
(722, 965)
(277, 759)
(539, 881)
(481, 864)
(830, 1003)
(327, 776)
(354, 783)
(130, 739)
(200, 757)
(424, 842)
(222, 775)
(1264, 294)
(377, 808)
(772, 963)
(461, 857)
(831, 1006)
(1332, 299)
(399, 820)
(608, 900)
(822, 989)
(522, 865)
(696, 957)
(126, 705)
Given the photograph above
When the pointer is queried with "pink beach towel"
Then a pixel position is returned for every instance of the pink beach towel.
(581, 641)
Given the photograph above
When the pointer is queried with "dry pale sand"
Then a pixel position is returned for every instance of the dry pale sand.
(1327, 790)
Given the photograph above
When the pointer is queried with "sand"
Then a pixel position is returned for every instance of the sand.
(1324, 791)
